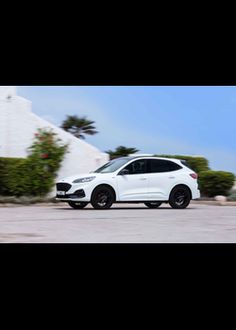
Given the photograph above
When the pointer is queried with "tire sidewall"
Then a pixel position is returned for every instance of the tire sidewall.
(94, 194)
(172, 200)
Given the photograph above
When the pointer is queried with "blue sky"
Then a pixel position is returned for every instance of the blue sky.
(170, 120)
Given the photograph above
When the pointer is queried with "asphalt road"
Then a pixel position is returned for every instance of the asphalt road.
(123, 223)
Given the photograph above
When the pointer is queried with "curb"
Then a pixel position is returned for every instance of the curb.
(213, 203)
(216, 203)
(21, 205)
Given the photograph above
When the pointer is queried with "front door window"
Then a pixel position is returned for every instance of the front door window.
(137, 167)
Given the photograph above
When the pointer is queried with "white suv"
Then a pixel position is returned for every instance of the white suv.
(148, 180)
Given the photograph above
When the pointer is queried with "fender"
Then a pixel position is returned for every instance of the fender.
(181, 183)
(107, 185)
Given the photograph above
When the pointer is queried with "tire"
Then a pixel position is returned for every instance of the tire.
(77, 205)
(102, 198)
(180, 197)
(153, 205)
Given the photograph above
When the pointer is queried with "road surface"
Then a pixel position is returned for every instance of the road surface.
(123, 223)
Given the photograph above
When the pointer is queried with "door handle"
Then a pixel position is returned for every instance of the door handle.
(171, 177)
(143, 179)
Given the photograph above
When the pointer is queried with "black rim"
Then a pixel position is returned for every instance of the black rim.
(180, 197)
(103, 198)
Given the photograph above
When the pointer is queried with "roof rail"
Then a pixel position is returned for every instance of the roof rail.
(141, 155)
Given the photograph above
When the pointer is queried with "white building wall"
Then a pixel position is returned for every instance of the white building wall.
(18, 126)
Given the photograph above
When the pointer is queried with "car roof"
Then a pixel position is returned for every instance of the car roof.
(148, 157)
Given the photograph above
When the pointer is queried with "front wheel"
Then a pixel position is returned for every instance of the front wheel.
(102, 198)
(180, 197)
(77, 205)
(153, 205)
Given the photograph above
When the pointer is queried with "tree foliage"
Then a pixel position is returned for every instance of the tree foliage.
(121, 151)
(79, 126)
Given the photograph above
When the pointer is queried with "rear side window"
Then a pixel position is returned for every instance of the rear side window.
(185, 163)
(159, 166)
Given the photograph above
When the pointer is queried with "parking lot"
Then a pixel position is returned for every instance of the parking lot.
(123, 223)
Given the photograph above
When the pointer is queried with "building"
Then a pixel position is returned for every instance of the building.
(18, 124)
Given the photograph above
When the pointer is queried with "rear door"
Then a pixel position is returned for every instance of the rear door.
(162, 175)
(134, 185)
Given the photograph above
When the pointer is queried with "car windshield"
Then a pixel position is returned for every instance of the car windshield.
(112, 166)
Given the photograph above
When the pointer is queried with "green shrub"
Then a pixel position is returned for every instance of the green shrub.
(197, 164)
(213, 183)
(11, 174)
(46, 155)
(35, 175)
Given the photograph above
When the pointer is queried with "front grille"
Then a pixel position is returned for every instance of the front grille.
(63, 186)
(77, 194)
(63, 197)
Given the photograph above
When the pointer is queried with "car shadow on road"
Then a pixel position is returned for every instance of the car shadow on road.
(123, 208)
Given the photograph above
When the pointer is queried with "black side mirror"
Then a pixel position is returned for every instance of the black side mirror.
(124, 172)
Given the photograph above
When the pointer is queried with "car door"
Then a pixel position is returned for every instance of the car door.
(161, 177)
(133, 185)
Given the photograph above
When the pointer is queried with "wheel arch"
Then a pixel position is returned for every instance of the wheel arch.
(181, 185)
(105, 185)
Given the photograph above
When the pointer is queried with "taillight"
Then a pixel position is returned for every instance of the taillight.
(194, 175)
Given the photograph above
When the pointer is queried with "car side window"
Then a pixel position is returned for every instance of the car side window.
(137, 167)
(160, 166)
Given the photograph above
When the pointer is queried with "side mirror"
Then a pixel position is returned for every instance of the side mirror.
(124, 171)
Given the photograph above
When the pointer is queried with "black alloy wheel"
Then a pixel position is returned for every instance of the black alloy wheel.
(102, 198)
(180, 197)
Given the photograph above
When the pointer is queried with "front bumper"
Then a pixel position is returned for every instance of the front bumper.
(76, 196)
(74, 192)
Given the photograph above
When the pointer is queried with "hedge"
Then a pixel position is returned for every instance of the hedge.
(11, 176)
(22, 177)
(213, 183)
(197, 164)
(34, 175)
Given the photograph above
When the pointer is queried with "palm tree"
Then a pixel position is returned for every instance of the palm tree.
(121, 151)
(78, 126)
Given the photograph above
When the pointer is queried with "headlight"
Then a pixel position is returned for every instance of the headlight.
(88, 179)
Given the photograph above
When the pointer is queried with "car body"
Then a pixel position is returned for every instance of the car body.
(131, 179)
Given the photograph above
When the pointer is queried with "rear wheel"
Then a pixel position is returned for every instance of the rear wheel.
(180, 197)
(102, 198)
(153, 205)
(77, 205)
